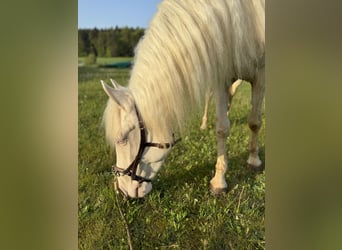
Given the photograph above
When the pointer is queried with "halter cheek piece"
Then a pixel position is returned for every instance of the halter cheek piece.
(132, 168)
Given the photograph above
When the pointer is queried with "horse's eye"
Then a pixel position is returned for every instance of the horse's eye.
(122, 142)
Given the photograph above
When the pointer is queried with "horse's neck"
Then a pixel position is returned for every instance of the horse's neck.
(159, 138)
(156, 128)
(157, 134)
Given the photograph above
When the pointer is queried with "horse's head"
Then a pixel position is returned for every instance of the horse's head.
(137, 161)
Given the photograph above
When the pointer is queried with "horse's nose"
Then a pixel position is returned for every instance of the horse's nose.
(139, 190)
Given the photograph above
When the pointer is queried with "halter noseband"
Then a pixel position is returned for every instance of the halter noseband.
(132, 168)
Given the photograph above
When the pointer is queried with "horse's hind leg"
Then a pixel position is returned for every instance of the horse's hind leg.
(208, 96)
(218, 182)
(254, 120)
(232, 90)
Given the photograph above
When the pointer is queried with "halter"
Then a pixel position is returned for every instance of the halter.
(132, 168)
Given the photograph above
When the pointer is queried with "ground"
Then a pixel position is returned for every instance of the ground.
(180, 212)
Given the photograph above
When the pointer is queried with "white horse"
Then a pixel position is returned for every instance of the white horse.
(188, 45)
(209, 95)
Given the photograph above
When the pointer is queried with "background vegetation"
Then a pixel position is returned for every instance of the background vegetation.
(114, 42)
(180, 212)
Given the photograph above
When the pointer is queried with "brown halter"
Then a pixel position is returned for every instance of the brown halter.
(132, 168)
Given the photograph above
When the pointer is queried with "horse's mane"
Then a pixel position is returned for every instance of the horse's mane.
(190, 46)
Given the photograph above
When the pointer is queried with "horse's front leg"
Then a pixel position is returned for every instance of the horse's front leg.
(218, 183)
(254, 120)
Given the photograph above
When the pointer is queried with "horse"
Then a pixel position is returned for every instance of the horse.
(188, 48)
(209, 94)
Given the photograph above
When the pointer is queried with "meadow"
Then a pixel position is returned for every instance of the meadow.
(180, 212)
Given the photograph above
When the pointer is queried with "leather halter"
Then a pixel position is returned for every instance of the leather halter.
(132, 168)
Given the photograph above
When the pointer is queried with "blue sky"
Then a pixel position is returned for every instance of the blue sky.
(109, 13)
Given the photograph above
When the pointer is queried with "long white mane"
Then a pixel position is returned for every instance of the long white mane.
(189, 46)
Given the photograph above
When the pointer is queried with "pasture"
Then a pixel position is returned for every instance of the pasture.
(180, 212)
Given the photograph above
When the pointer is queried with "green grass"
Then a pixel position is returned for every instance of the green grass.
(180, 212)
(106, 60)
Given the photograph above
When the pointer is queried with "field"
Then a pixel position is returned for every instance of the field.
(105, 60)
(180, 212)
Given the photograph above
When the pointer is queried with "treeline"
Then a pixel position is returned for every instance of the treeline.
(108, 42)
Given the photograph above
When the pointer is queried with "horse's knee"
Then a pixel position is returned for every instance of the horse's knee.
(222, 133)
(222, 130)
(254, 124)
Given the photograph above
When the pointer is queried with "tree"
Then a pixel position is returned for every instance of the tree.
(108, 42)
(83, 43)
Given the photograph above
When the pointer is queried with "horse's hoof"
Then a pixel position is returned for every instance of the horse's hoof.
(255, 164)
(255, 168)
(218, 191)
(203, 127)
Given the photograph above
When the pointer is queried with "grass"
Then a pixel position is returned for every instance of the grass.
(180, 212)
(106, 60)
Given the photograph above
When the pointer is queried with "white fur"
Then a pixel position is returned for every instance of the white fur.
(189, 47)
(209, 94)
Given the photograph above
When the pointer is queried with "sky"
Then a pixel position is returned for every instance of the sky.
(111, 13)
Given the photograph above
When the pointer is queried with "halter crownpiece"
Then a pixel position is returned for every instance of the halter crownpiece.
(132, 168)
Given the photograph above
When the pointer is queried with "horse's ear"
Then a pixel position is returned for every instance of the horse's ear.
(120, 96)
(116, 85)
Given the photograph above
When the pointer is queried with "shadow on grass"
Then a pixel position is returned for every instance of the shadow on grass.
(238, 172)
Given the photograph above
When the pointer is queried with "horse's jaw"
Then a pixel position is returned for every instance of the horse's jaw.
(133, 188)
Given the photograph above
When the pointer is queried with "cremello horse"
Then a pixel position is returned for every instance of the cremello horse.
(209, 95)
(188, 45)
